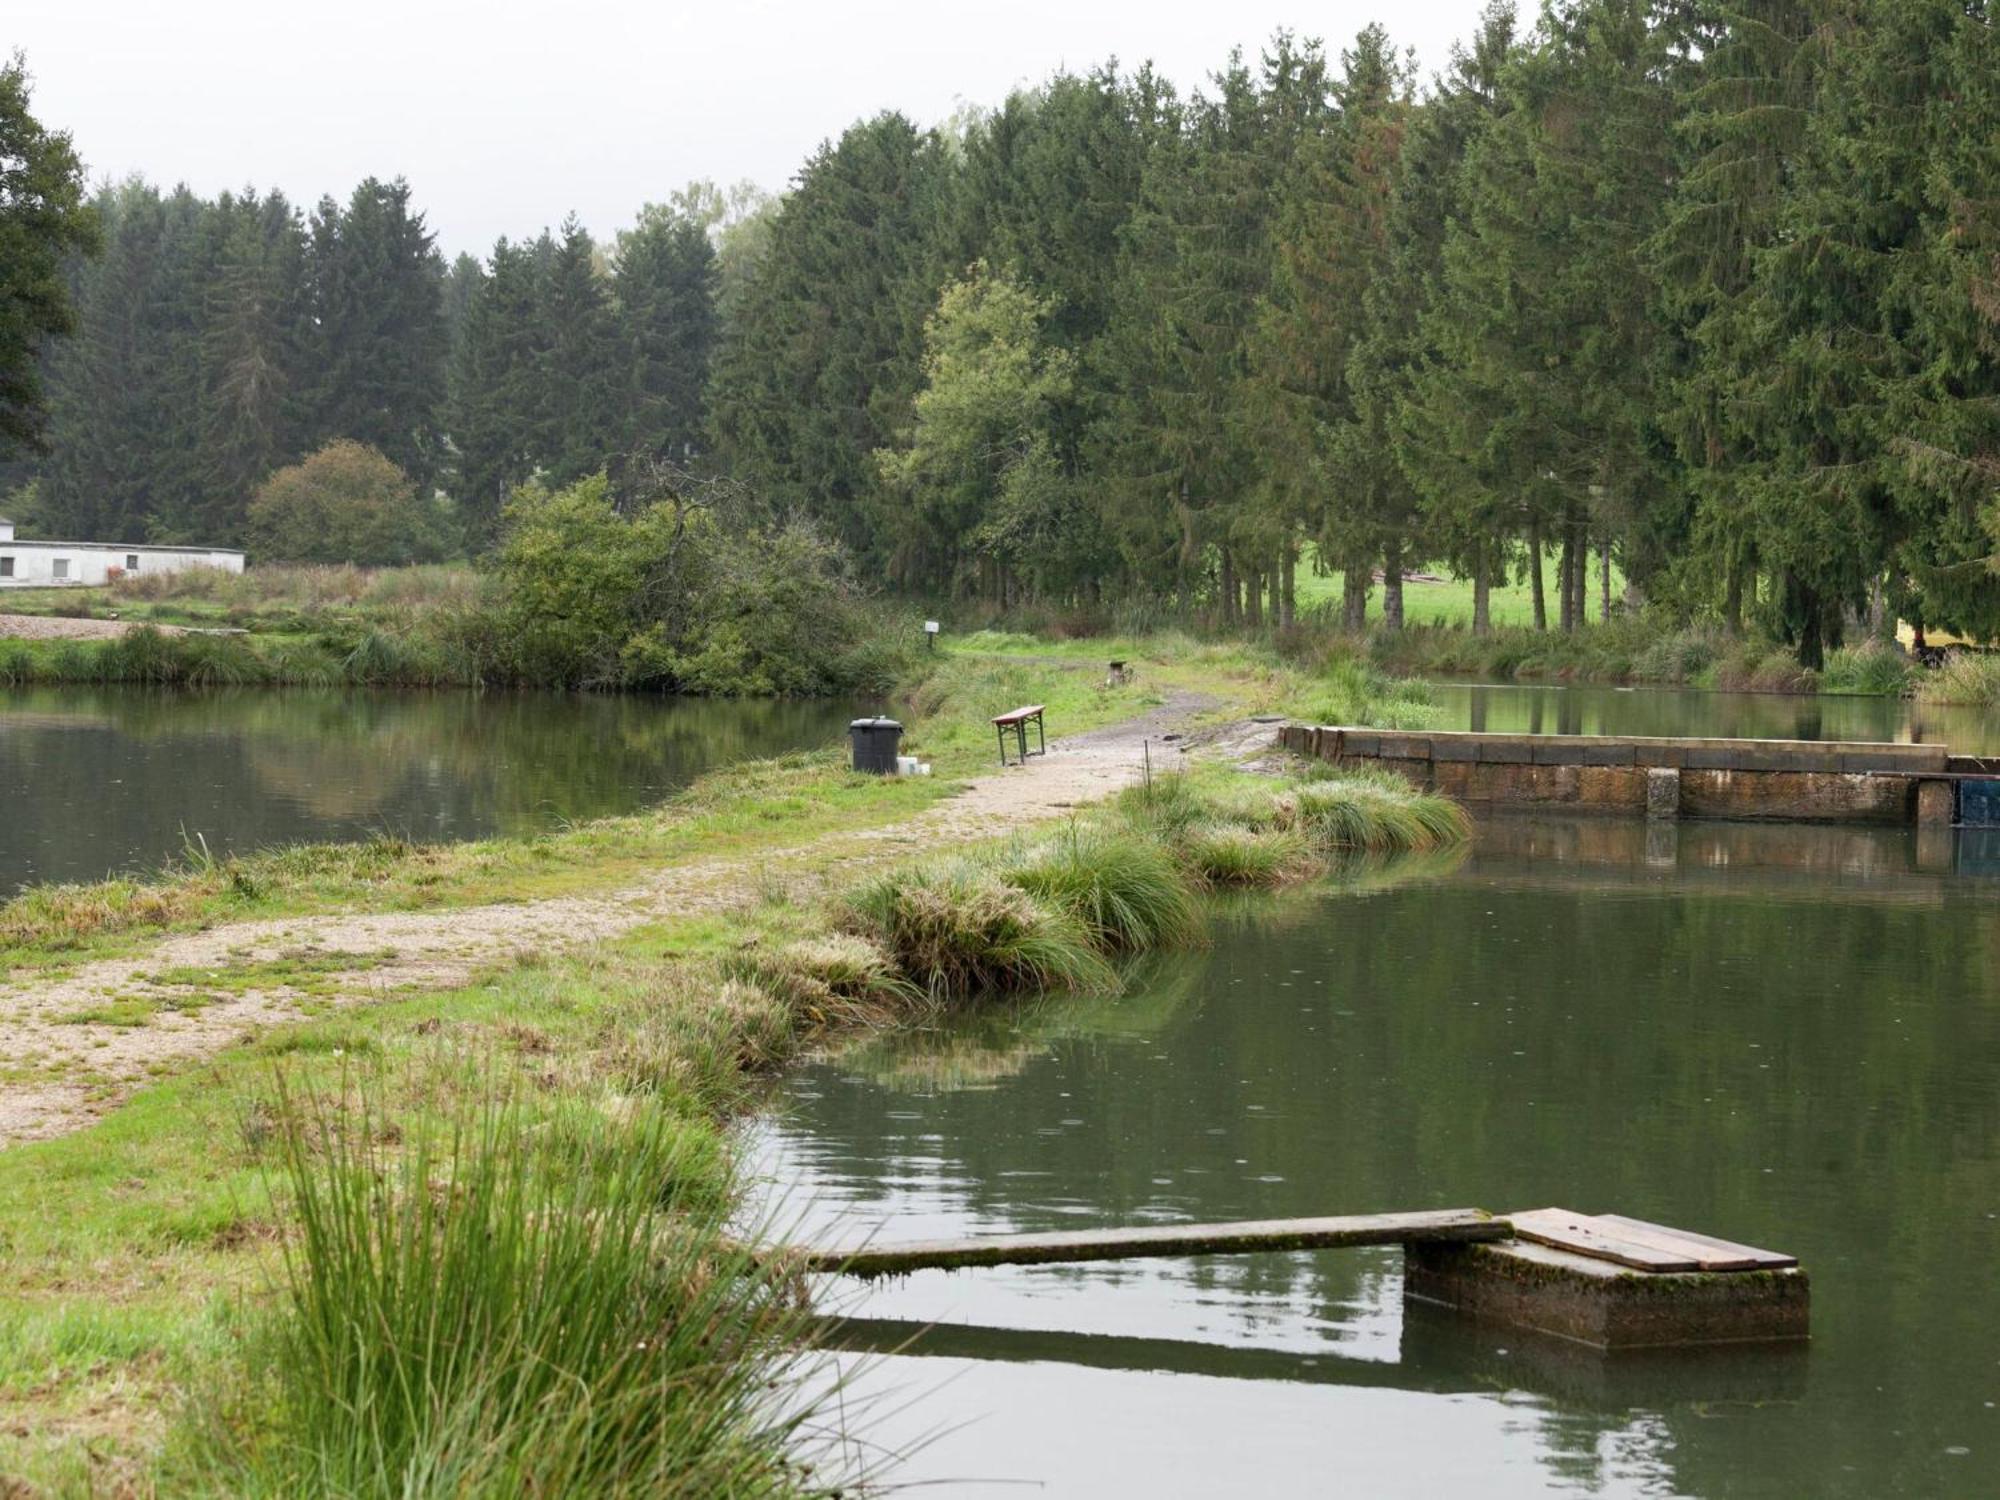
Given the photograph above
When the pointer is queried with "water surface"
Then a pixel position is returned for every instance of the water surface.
(1545, 708)
(99, 780)
(1786, 1035)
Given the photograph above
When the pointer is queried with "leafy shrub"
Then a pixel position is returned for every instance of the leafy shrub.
(344, 504)
(666, 597)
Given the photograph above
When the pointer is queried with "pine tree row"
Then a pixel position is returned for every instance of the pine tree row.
(1707, 288)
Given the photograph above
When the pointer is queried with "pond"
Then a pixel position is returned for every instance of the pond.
(1784, 1035)
(1544, 708)
(113, 779)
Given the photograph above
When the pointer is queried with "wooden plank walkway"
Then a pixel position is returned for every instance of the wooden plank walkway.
(1454, 1225)
(1644, 1247)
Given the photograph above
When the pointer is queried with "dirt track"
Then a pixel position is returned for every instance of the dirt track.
(63, 628)
(67, 1069)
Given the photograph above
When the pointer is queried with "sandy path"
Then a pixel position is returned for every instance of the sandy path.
(63, 628)
(62, 1068)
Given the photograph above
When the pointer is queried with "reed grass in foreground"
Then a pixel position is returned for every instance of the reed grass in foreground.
(533, 1301)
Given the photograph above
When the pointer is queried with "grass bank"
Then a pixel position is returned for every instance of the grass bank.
(473, 1242)
(757, 806)
(1640, 650)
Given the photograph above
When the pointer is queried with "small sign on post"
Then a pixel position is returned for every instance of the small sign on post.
(931, 634)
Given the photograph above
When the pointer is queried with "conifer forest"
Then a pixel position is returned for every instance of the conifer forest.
(1708, 293)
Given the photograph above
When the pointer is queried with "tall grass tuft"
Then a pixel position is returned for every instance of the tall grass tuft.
(1129, 893)
(959, 930)
(519, 1304)
(836, 978)
(1966, 677)
(1375, 813)
(1873, 667)
(1232, 854)
(1347, 690)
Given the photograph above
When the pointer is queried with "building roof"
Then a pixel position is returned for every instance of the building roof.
(21, 542)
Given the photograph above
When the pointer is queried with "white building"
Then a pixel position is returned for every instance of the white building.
(39, 564)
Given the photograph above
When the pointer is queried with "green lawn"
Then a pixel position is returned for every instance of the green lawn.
(1448, 602)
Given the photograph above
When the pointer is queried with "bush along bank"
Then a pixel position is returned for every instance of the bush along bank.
(662, 598)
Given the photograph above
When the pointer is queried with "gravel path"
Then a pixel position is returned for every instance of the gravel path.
(69, 1060)
(63, 628)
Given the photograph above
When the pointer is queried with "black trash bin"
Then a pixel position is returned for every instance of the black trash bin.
(876, 742)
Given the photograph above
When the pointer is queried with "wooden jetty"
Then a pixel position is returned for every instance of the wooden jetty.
(1161, 1241)
(1605, 1280)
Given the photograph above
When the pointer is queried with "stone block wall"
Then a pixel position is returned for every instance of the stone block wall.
(1790, 780)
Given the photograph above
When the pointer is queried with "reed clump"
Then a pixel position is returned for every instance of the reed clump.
(1372, 811)
(957, 929)
(1874, 668)
(1966, 677)
(524, 1299)
(1253, 831)
(1126, 891)
(1053, 913)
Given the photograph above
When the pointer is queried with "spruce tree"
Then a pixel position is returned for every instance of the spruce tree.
(1325, 448)
(377, 288)
(1465, 518)
(822, 356)
(1746, 104)
(581, 371)
(666, 283)
(494, 412)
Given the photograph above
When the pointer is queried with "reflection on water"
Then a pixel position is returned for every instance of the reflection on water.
(1532, 708)
(1787, 1035)
(109, 779)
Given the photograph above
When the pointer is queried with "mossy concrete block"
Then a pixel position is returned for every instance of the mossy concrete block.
(1937, 804)
(1799, 796)
(1663, 792)
(1521, 1285)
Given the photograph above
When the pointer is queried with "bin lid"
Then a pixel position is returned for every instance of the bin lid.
(873, 724)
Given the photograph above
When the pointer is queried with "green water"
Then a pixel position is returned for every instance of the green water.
(110, 779)
(1785, 1035)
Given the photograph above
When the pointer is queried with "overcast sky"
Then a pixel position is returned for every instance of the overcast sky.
(506, 115)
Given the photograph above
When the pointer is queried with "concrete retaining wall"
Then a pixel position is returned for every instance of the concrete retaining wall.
(1793, 780)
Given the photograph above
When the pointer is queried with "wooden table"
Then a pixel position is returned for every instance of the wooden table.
(1018, 720)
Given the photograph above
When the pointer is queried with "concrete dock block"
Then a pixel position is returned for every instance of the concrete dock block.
(1519, 1284)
